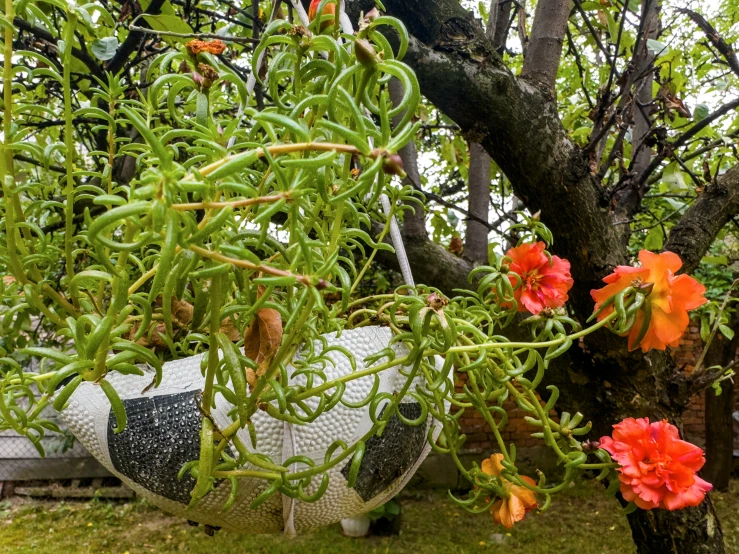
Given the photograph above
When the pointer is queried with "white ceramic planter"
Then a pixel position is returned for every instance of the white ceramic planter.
(163, 434)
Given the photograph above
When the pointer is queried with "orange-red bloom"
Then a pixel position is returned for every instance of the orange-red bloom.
(518, 501)
(539, 282)
(671, 298)
(195, 47)
(327, 9)
(658, 470)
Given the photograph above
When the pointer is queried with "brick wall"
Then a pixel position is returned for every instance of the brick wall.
(481, 440)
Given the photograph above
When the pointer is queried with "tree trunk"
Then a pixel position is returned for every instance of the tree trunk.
(689, 531)
(476, 234)
(641, 154)
(545, 43)
(719, 420)
(719, 436)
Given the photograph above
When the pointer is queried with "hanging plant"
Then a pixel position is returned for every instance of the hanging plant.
(215, 355)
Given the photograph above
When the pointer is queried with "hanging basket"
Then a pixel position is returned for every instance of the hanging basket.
(163, 434)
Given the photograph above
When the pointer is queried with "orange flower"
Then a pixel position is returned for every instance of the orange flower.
(658, 470)
(195, 47)
(327, 9)
(539, 282)
(670, 300)
(518, 501)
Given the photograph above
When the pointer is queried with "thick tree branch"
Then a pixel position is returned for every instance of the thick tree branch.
(519, 127)
(476, 234)
(545, 42)
(431, 263)
(702, 221)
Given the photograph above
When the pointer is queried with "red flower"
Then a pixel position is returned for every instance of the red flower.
(539, 282)
(671, 298)
(519, 500)
(327, 9)
(658, 470)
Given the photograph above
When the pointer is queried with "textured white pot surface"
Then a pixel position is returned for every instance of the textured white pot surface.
(163, 434)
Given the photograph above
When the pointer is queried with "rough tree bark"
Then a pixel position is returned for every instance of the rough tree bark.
(476, 234)
(414, 223)
(641, 154)
(719, 421)
(545, 42)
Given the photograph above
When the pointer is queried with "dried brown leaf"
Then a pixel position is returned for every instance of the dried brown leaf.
(261, 341)
(456, 246)
(230, 330)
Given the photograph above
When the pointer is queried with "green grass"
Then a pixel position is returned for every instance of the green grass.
(582, 521)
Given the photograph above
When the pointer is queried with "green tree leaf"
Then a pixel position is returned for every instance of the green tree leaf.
(718, 260)
(105, 48)
(701, 112)
(169, 24)
(726, 331)
(655, 239)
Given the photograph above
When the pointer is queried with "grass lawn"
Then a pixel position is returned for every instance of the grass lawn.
(582, 521)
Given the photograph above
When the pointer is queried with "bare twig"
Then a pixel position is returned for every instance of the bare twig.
(200, 36)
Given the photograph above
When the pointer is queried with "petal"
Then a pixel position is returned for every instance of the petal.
(527, 257)
(630, 496)
(557, 266)
(671, 261)
(687, 454)
(524, 495)
(669, 327)
(687, 293)
(516, 508)
(531, 301)
(691, 497)
(618, 281)
(502, 514)
(492, 465)
(608, 444)
(660, 263)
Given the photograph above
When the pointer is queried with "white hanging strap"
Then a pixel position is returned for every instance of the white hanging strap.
(396, 237)
(344, 21)
(298, 7)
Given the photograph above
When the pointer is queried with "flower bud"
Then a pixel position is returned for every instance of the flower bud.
(365, 52)
(371, 15)
(645, 288)
(393, 165)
